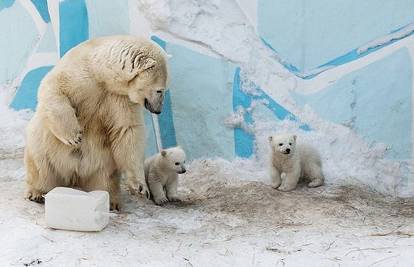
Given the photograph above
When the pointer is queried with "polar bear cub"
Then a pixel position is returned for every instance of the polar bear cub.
(161, 174)
(290, 161)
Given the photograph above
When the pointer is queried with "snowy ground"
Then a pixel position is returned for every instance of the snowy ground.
(225, 220)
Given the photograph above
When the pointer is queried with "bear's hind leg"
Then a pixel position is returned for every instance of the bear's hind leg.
(316, 176)
(105, 182)
(115, 191)
(39, 179)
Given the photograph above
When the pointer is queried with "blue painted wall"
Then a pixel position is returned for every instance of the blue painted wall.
(18, 37)
(374, 101)
(308, 34)
(201, 83)
(26, 97)
(73, 23)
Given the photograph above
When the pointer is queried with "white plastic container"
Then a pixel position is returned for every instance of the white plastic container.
(71, 209)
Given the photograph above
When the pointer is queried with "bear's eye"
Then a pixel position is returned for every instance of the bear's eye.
(177, 163)
(290, 144)
(280, 144)
(159, 92)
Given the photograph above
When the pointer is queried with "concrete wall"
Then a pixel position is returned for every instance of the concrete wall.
(339, 73)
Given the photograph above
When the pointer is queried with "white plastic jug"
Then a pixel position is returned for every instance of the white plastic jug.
(71, 209)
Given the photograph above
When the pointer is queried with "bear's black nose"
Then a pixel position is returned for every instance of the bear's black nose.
(288, 150)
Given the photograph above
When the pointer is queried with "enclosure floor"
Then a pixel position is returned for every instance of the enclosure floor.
(221, 222)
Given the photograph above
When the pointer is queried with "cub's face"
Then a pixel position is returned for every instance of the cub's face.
(283, 144)
(175, 159)
(148, 87)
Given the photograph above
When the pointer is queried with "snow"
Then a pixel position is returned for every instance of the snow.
(236, 120)
(12, 125)
(230, 215)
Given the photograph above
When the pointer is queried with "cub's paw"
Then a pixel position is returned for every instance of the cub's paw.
(174, 199)
(160, 200)
(315, 183)
(275, 185)
(286, 188)
(34, 195)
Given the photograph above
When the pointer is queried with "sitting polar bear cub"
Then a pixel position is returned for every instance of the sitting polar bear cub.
(289, 162)
(161, 173)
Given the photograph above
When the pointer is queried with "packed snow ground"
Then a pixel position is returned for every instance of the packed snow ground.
(228, 217)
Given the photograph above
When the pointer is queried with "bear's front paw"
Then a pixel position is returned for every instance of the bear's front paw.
(160, 200)
(136, 188)
(73, 138)
(34, 195)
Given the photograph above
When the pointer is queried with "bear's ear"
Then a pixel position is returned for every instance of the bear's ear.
(270, 138)
(294, 137)
(163, 153)
(139, 64)
(146, 63)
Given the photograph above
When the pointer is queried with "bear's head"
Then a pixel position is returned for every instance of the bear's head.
(174, 159)
(135, 67)
(148, 87)
(283, 144)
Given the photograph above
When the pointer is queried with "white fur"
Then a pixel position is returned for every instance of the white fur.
(88, 127)
(161, 174)
(291, 161)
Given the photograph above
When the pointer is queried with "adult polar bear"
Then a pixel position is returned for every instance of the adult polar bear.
(88, 127)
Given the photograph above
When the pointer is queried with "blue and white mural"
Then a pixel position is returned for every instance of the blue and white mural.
(340, 71)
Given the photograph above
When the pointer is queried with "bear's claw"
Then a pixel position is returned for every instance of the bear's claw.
(115, 206)
(35, 197)
(140, 188)
(77, 139)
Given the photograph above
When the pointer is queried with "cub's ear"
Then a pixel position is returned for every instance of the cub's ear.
(294, 137)
(270, 138)
(163, 153)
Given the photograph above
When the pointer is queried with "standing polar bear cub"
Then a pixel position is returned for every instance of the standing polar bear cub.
(161, 174)
(88, 128)
(290, 162)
